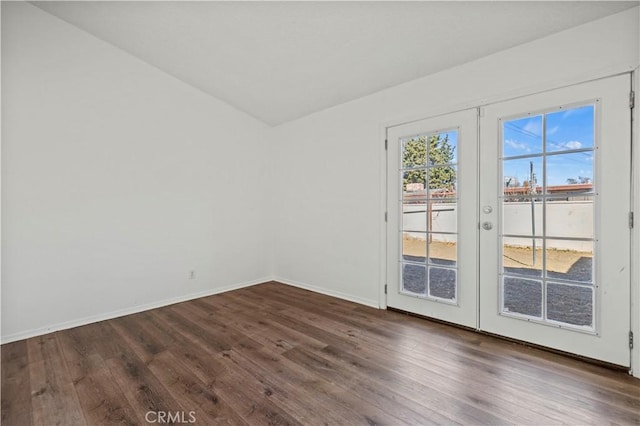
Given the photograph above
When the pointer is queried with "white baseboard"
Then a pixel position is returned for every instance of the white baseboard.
(362, 301)
(127, 311)
(158, 304)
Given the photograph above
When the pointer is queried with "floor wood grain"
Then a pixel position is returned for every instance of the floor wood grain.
(277, 355)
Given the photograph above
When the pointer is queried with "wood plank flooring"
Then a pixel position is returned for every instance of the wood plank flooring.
(274, 354)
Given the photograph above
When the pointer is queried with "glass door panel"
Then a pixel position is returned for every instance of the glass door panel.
(554, 271)
(428, 170)
(431, 163)
(552, 231)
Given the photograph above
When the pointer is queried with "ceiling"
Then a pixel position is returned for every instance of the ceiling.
(279, 61)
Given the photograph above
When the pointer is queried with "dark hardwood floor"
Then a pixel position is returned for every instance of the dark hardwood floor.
(274, 354)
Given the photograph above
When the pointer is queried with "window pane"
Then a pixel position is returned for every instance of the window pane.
(443, 217)
(522, 256)
(522, 136)
(414, 279)
(522, 296)
(560, 162)
(570, 129)
(413, 183)
(570, 172)
(523, 217)
(442, 181)
(414, 216)
(414, 152)
(444, 197)
(570, 304)
(443, 249)
(570, 218)
(414, 246)
(442, 283)
(522, 177)
(570, 260)
(443, 147)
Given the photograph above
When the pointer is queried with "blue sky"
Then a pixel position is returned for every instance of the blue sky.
(565, 130)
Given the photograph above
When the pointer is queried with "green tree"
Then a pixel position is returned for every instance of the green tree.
(441, 175)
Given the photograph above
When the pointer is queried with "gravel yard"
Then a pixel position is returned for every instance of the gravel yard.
(523, 286)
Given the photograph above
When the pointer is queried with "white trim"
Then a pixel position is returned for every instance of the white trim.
(348, 297)
(128, 311)
(635, 234)
(1, 198)
(382, 260)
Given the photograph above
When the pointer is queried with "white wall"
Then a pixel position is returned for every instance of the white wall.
(117, 180)
(322, 158)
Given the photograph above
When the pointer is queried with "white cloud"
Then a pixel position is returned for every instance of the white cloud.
(573, 145)
(517, 145)
(533, 126)
(553, 130)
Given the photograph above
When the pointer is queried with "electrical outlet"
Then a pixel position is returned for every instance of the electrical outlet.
(192, 275)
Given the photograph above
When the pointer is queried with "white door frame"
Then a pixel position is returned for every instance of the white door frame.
(635, 235)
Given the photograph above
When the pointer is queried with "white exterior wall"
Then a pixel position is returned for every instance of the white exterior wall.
(444, 218)
(564, 219)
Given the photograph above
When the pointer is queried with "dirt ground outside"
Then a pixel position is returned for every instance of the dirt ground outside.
(523, 285)
(514, 256)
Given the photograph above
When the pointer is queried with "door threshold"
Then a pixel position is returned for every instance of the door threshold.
(592, 361)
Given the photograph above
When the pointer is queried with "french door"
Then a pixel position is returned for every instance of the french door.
(513, 219)
(432, 219)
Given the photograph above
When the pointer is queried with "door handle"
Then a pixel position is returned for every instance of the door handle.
(487, 226)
